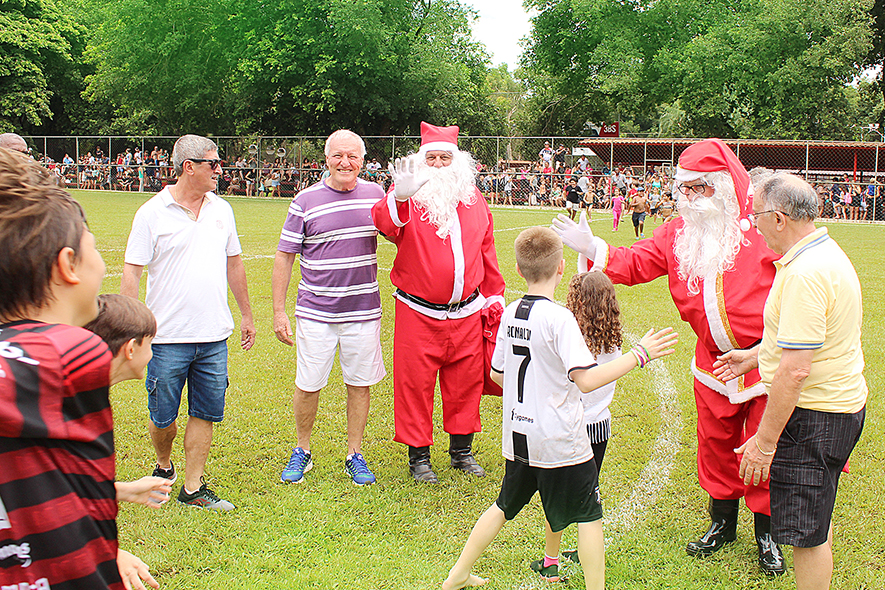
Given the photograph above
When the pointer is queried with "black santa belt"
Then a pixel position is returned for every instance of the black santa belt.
(448, 307)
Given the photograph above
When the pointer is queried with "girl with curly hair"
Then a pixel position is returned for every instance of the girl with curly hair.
(591, 298)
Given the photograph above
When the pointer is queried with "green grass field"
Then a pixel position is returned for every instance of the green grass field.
(328, 533)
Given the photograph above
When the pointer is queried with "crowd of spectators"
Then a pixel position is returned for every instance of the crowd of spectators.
(542, 182)
(545, 182)
(130, 170)
(846, 198)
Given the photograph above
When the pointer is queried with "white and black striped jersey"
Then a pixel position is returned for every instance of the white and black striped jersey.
(538, 345)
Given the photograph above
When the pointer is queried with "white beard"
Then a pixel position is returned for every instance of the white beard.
(447, 188)
(711, 236)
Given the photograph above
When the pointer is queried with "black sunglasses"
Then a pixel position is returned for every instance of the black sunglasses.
(213, 163)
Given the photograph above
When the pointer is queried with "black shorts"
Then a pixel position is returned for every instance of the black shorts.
(568, 494)
(638, 218)
(811, 452)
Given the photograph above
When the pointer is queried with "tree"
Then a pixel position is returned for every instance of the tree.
(774, 69)
(377, 66)
(166, 67)
(875, 59)
(40, 47)
(290, 66)
(507, 96)
(764, 68)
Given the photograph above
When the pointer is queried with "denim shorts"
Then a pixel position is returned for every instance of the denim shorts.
(202, 365)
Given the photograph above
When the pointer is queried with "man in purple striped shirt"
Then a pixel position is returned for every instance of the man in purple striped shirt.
(338, 306)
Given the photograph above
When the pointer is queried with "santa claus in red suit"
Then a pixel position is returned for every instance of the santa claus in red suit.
(719, 274)
(445, 274)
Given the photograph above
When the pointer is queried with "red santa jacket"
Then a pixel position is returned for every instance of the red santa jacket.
(726, 314)
(439, 270)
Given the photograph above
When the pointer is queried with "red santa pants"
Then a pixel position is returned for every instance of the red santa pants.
(723, 427)
(422, 348)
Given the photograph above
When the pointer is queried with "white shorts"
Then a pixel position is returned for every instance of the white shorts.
(359, 352)
(569, 205)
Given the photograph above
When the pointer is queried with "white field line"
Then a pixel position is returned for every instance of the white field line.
(655, 476)
(513, 228)
(257, 256)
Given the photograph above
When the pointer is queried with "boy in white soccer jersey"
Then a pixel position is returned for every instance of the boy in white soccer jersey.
(543, 365)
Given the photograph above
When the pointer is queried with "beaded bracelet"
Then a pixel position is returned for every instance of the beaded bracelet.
(640, 360)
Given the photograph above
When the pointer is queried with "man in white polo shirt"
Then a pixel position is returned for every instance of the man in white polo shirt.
(187, 238)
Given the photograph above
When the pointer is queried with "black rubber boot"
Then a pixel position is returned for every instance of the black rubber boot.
(771, 558)
(419, 465)
(460, 449)
(722, 531)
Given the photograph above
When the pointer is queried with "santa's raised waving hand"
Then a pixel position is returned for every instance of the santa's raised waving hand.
(408, 177)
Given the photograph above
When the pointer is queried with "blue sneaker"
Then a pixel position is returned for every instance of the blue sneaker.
(299, 464)
(357, 469)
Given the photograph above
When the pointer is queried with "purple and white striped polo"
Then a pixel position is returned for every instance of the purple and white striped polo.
(334, 234)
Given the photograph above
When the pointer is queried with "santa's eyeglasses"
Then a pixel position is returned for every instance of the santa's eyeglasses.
(697, 189)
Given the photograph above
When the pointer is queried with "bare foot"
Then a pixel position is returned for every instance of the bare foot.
(471, 581)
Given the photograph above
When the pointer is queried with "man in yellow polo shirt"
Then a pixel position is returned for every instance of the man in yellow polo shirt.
(811, 362)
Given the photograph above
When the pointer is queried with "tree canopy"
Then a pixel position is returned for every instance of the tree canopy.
(231, 66)
(731, 68)
(763, 68)
(40, 46)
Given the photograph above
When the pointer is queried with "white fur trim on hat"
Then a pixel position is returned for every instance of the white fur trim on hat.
(683, 175)
(438, 146)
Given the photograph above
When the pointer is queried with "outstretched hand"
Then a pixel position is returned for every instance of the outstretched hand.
(148, 491)
(577, 236)
(735, 363)
(408, 177)
(660, 343)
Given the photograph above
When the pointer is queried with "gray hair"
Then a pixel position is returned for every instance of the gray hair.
(790, 195)
(340, 134)
(190, 147)
(759, 174)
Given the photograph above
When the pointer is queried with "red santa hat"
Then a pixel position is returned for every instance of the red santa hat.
(712, 155)
(433, 138)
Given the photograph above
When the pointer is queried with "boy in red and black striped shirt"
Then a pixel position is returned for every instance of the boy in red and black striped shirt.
(58, 503)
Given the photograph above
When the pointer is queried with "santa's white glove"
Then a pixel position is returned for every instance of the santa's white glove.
(407, 177)
(576, 236)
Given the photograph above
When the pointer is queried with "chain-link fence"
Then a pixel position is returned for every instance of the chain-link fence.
(512, 170)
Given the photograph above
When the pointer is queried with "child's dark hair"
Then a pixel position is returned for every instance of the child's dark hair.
(37, 220)
(591, 297)
(120, 319)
